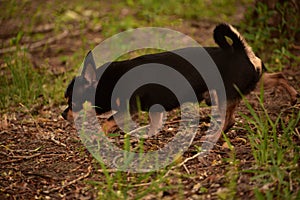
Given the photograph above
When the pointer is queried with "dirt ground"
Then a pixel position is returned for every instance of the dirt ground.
(42, 156)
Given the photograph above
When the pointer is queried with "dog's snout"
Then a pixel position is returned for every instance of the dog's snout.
(68, 114)
(65, 113)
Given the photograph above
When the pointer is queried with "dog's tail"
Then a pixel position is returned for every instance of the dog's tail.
(227, 37)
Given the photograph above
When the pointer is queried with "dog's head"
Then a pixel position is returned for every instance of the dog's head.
(81, 89)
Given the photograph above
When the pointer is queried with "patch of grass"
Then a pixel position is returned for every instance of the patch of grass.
(232, 174)
(274, 142)
(118, 184)
(272, 33)
(276, 153)
(132, 14)
(13, 8)
(21, 83)
(24, 84)
(185, 9)
(123, 185)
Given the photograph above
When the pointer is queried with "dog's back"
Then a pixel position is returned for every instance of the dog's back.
(237, 64)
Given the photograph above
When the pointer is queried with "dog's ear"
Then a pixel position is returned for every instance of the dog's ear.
(89, 69)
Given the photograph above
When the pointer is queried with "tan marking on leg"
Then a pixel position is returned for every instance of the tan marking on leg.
(71, 116)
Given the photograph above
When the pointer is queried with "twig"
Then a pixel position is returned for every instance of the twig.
(169, 171)
(40, 175)
(291, 180)
(20, 158)
(146, 126)
(43, 28)
(71, 182)
(186, 169)
(107, 170)
(137, 129)
(21, 150)
(295, 46)
(187, 159)
(56, 141)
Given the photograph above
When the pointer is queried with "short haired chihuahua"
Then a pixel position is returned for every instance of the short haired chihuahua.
(239, 68)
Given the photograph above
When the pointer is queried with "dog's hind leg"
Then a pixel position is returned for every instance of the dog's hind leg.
(271, 80)
(228, 114)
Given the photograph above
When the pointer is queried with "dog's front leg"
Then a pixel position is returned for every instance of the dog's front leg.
(121, 119)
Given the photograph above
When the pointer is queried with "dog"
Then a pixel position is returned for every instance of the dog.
(240, 69)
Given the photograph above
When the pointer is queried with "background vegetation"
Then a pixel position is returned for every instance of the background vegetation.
(43, 44)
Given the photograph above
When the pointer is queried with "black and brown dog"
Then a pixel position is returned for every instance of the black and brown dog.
(239, 68)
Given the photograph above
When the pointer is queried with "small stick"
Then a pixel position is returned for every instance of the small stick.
(71, 182)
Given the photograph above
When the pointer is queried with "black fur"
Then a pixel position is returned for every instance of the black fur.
(232, 61)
